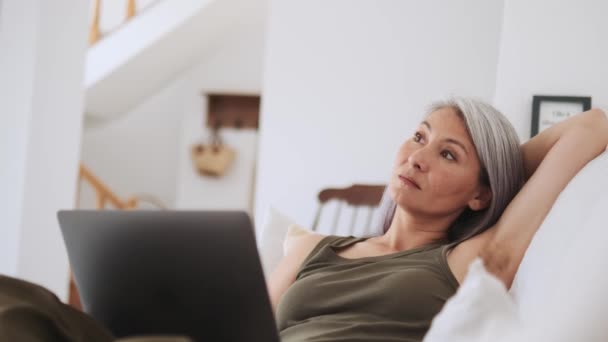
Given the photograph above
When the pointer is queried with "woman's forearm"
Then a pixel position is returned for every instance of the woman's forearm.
(534, 150)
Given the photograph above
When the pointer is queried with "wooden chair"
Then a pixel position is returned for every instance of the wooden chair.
(356, 196)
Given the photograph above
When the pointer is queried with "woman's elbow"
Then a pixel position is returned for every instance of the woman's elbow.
(597, 123)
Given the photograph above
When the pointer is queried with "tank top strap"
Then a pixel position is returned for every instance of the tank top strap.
(344, 241)
(333, 241)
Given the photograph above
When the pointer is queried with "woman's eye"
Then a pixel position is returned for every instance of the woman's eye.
(417, 137)
(448, 155)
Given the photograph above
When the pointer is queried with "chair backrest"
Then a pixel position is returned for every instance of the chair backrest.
(356, 196)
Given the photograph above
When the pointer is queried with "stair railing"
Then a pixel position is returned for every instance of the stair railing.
(132, 10)
(103, 194)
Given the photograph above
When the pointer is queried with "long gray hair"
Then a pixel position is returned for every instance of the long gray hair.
(499, 153)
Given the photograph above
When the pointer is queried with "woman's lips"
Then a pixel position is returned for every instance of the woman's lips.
(409, 181)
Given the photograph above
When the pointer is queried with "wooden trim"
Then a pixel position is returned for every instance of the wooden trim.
(233, 111)
(356, 195)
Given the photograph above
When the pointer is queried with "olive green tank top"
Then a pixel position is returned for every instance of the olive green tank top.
(390, 297)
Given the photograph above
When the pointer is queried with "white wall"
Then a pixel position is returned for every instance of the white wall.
(347, 81)
(18, 37)
(551, 48)
(136, 153)
(43, 54)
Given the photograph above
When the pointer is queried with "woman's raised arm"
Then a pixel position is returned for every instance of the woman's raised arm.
(551, 160)
(535, 149)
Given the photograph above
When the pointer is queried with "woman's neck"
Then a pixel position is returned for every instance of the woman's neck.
(409, 231)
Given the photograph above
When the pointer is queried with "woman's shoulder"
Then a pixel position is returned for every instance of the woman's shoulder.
(306, 244)
(303, 243)
(306, 247)
(296, 249)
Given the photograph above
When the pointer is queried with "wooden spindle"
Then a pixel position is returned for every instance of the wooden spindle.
(95, 32)
(131, 9)
(101, 200)
(73, 294)
(103, 192)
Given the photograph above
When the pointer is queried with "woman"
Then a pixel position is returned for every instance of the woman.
(456, 192)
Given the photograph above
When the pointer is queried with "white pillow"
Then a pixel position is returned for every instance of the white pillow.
(481, 310)
(575, 304)
(270, 239)
(294, 231)
(567, 228)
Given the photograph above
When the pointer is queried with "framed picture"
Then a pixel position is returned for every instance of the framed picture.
(549, 110)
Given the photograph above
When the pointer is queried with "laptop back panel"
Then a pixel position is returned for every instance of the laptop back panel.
(170, 272)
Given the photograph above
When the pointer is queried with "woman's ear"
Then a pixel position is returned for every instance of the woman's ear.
(482, 199)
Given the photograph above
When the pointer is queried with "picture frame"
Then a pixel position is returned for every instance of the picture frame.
(549, 110)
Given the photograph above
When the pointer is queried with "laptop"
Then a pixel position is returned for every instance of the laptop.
(192, 273)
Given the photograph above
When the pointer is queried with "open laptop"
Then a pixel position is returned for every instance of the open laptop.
(193, 273)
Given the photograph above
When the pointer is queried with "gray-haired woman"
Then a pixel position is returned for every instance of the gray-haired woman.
(461, 187)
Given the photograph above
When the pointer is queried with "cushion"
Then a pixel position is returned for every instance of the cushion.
(574, 306)
(570, 225)
(271, 238)
(481, 310)
(294, 231)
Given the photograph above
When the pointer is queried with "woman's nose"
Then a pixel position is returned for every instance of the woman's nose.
(418, 159)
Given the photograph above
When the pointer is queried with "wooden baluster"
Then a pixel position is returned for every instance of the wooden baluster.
(101, 199)
(73, 294)
(131, 9)
(94, 32)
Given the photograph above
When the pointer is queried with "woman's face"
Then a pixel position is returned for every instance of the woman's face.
(441, 159)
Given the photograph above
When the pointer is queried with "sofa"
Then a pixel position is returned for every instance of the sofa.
(560, 292)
